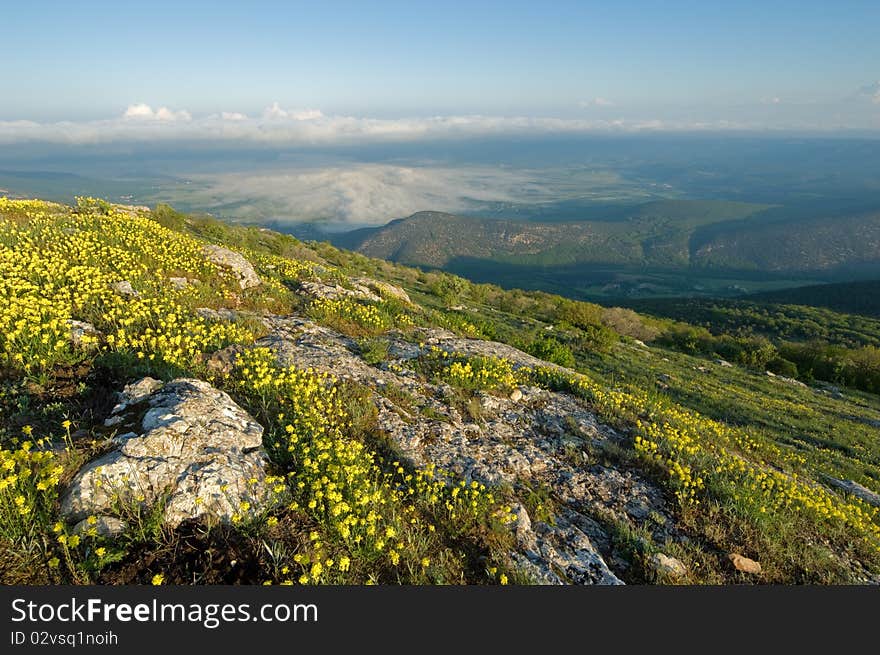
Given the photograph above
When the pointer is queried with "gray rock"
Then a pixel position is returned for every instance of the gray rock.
(103, 526)
(524, 442)
(241, 268)
(667, 565)
(223, 361)
(382, 289)
(124, 288)
(723, 363)
(318, 289)
(854, 488)
(195, 450)
(178, 282)
(221, 314)
(82, 334)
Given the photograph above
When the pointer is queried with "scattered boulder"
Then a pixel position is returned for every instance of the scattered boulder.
(667, 565)
(524, 443)
(223, 361)
(516, 395)
(240, 267)
(83, 334)
(102, 526)
(857, 490)
(791, 381)
(221, 314)
(124, 288)
(723, 363)
(382, 289)
(179, 282)
(322, 290)
(744, 564)
(193, 449)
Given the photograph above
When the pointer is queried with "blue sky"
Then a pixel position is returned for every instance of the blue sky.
(751, 63)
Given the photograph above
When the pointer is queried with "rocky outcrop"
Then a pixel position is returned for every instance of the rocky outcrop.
(124, 289)
(532, 439)
(324, 290)
(240, 268)
(382, 289)
(82, 334)
(183, 444)
(359, 288)
(855, 489)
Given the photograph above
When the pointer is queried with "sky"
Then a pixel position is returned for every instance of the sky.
(328, 71)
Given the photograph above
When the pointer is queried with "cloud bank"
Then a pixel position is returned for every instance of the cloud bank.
(371, 194)
(279, 126)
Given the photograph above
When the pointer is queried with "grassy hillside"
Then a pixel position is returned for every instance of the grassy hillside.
(744, 463)
(663, 248)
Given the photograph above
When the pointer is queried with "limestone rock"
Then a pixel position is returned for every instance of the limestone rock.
(667, 565)
(103, 526)
(526, 442)
(221, 314)
(382, 289)
(223, 361)
(744, 564)
(124, 288)
(82, 334)
(240, 267)
(178, 282)
(317, 289)
(854, 488)
(194, 450)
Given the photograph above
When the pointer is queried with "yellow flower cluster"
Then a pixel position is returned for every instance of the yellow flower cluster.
(478, 372)
(702, 456)
(341, 484)
(29, 477)
(347, 313)
(57, 265)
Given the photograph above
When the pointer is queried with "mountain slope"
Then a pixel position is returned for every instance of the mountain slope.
(388, 425)
(693, 241)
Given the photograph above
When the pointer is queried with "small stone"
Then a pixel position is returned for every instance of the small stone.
(178, 282)
(240, 267)
(854, 488)
(223, 361)
(668, 565)
(516, 395)
(124, 288)
(104, 526)
(82, 333)
(744, 564)
(136, 392)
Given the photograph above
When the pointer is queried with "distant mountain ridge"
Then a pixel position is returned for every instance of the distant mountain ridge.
(666, 234)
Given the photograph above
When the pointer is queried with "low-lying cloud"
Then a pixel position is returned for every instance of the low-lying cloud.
(290, 127)
(365, 194)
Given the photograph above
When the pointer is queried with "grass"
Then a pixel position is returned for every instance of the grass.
(743, 457)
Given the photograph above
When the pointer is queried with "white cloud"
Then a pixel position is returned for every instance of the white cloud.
(274, 111)
(596, 102)
(142, 111)
(281, 127)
